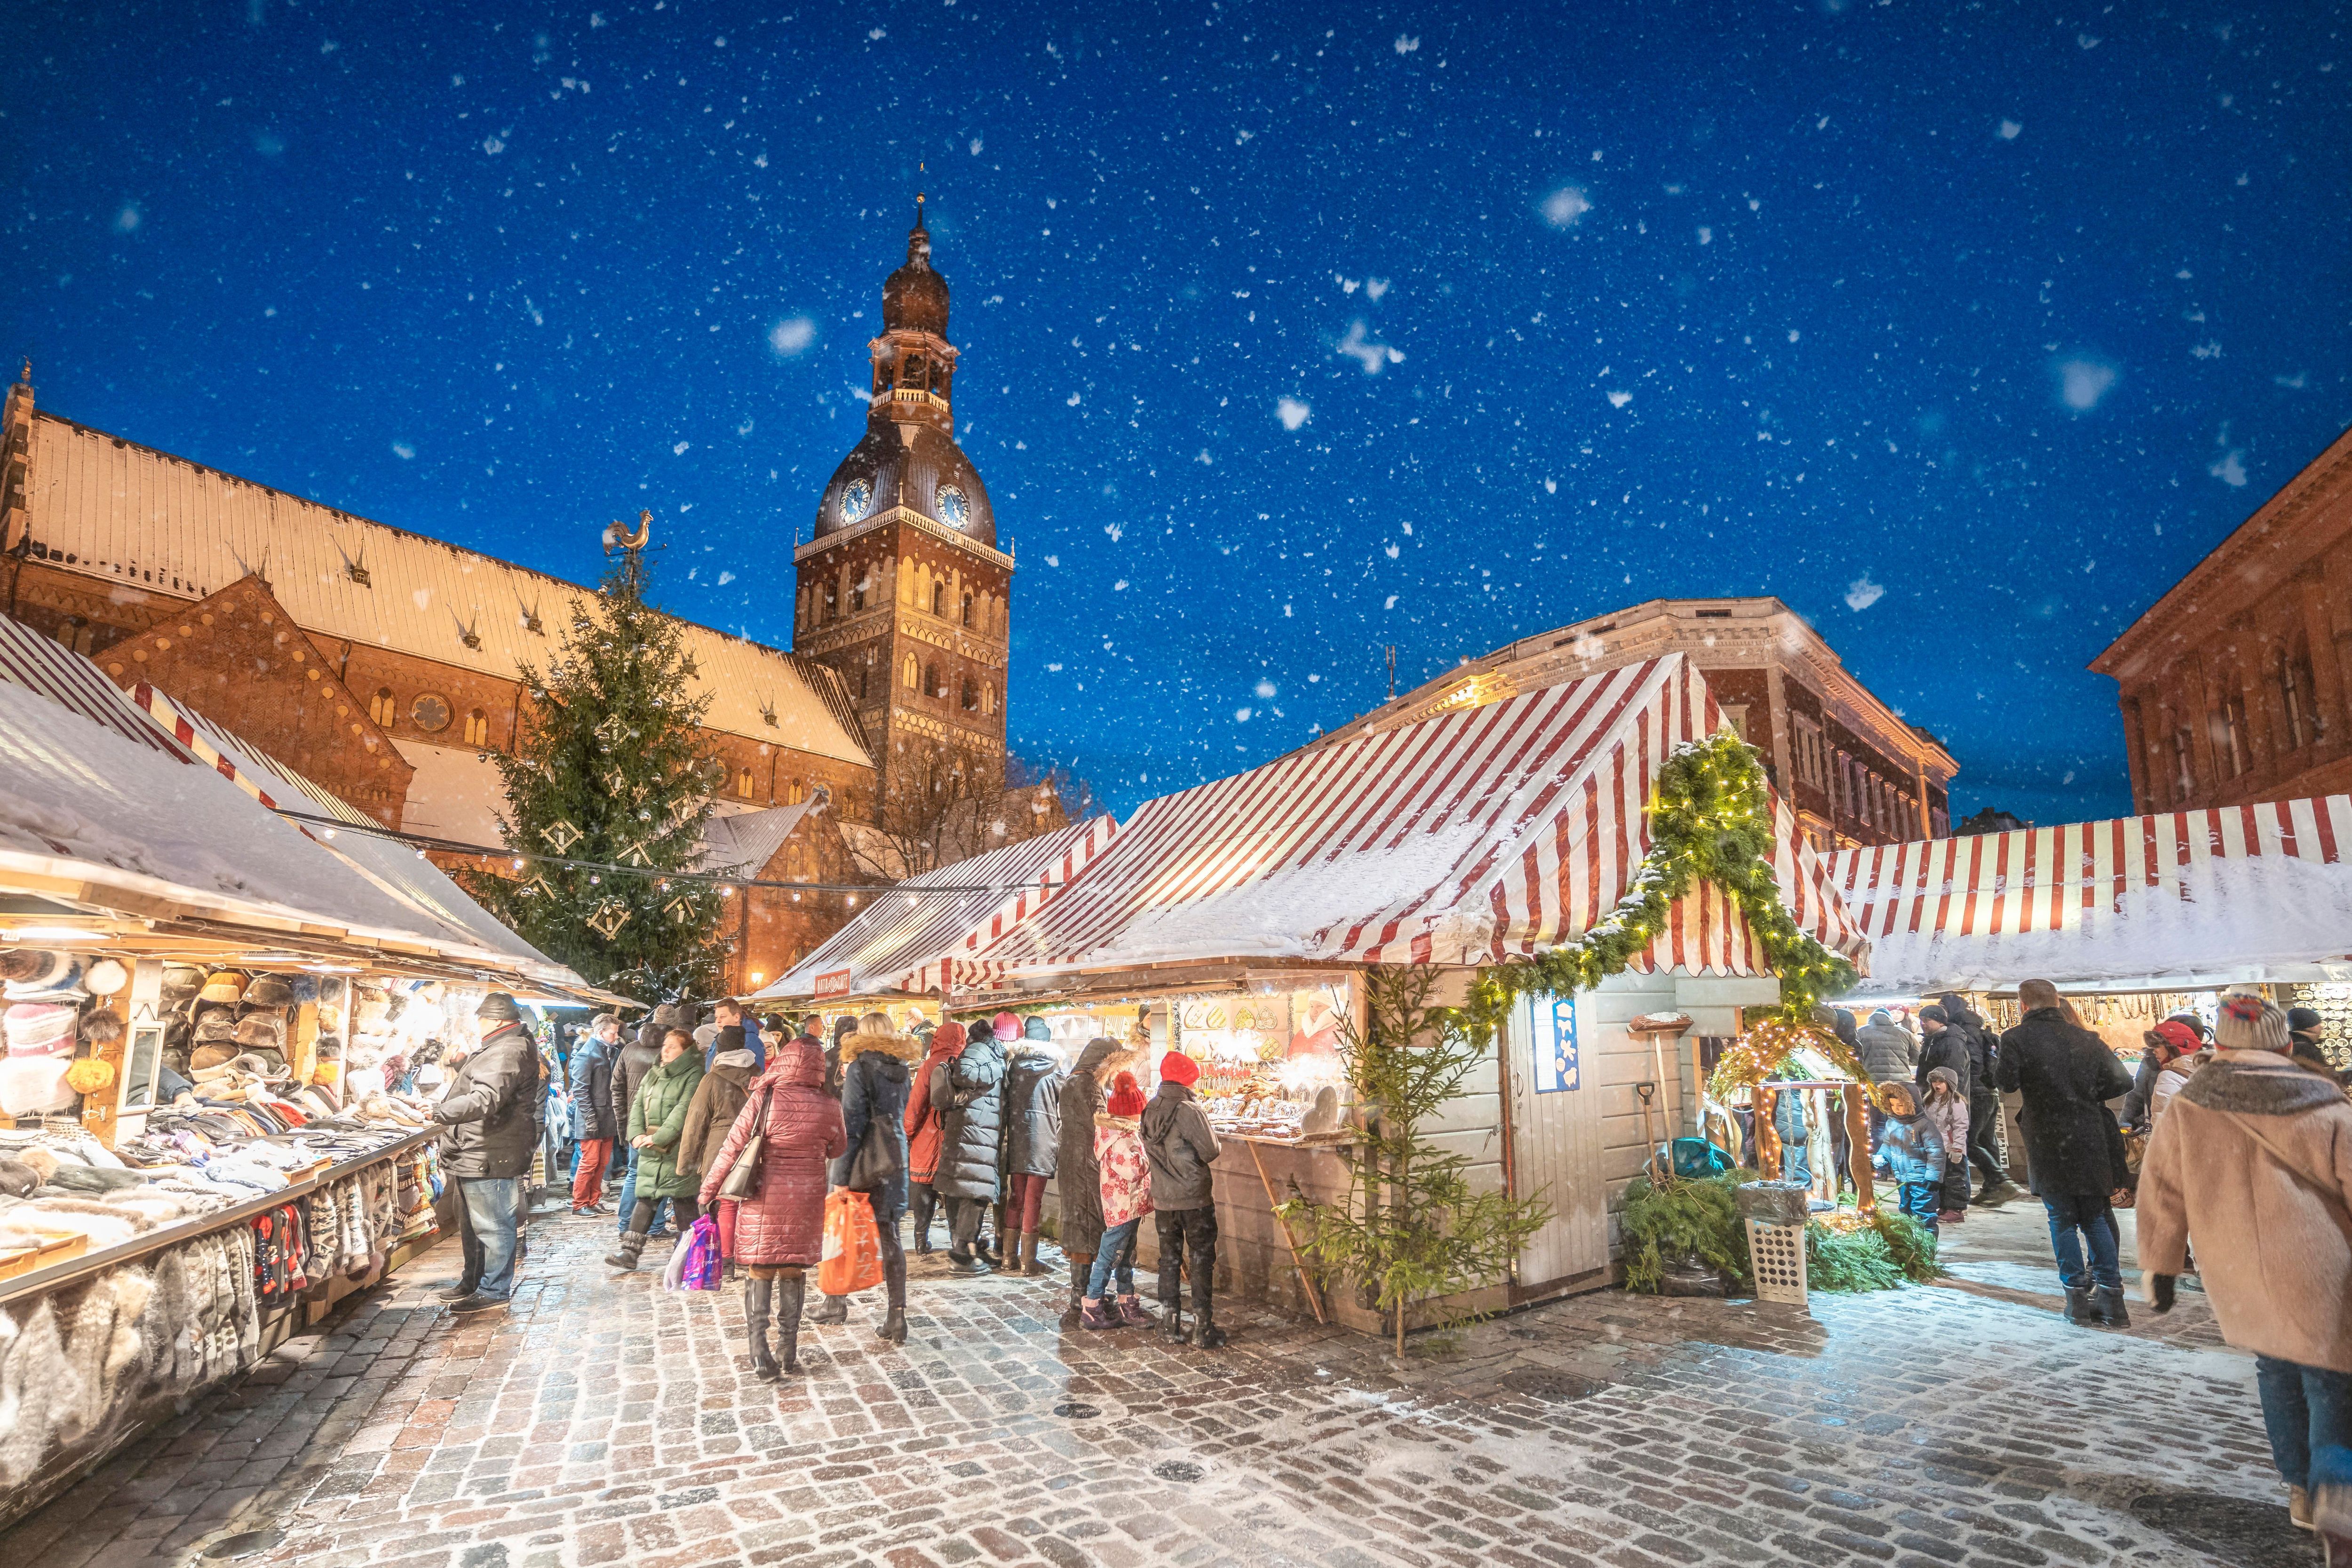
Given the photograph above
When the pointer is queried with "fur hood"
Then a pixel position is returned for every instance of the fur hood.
(901, 1048)
(2259, 1083)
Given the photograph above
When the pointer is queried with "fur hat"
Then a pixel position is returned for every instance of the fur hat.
(39, 1029)
(102, 1028)
(2248, 1023)
(33, 1086)
(1178, 1067)
(106, 977)
(55, 977)
(206, 1057)
(1004, 1026)
(260, 1030)
(181, 984)
(223, 985)
(268, 991)
(213, 1028)
(89, 1074)
(1126, 1096)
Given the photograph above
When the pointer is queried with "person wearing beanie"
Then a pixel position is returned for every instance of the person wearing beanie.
(1911, 1153)
(1033, 1077)
(635, 1059)
(969, 1095)
(2252, 1163)
(924, 1126)
(2305, 1030)
(489, 1116)
(1946, 1109)
(2074, 1153)
(2177, 1052)
(1181, 1149)
(1123, 1177)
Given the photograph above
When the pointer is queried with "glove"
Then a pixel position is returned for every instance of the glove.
(2159, 1291)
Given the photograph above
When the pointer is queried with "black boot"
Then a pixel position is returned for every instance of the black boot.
(894, 1284)
(2107, 1306)
(830, 1309)
(1081, 1266)
(633, 1247)
(2078, 1306)
(758, 1296)
(790, 1290)
(1171, 1326)
(1206, 1332)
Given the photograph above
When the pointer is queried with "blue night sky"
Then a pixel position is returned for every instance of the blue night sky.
(1288, 333)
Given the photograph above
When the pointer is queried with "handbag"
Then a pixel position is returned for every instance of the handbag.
(742, 1183)
(878, 1162)
(851, 1260)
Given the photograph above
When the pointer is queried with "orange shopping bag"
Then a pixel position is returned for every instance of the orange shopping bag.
(853, 1249)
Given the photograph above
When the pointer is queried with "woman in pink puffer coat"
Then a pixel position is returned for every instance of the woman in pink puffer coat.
(780, 1234)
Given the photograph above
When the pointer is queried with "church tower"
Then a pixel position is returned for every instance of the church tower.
(903, 589)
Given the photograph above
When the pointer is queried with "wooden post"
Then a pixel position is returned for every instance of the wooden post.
(97, 1118)
(1857, 1138)
(1314, 1296)
(1768, 1137)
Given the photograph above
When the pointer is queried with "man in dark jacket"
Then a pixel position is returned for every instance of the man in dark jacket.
(2074, 1148)
(636, 1059)
(1984, 1099)
(492, 1114)
(1943, 1044)
(591, 1112)
(1033, 1136)
(1180, 1147)
(728, 1014)
(970, 1097)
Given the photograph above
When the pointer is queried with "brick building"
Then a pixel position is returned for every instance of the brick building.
(1854, 771)
(2233, 684)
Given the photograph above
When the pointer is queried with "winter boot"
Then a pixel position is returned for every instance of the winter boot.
(790, 1290)
(1133, 1314)
(2078, 1306)
(830, 1309)
(1171, 1326)
(1206, 1332)
(633, 1247)
(1080, 1268)
(1029, 1264)
(893, 1331)
(1092, 1315)
(758, 1296)
(2107, 1306)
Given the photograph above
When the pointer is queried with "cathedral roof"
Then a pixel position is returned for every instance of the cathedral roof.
(913, 466)
(915, 298)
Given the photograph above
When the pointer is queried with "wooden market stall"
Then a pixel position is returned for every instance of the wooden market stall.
(193, 983)
(1476, 837)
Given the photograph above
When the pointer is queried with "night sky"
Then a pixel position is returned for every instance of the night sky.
(1289, 333)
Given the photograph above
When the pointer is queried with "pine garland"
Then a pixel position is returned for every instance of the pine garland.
(1710, 820)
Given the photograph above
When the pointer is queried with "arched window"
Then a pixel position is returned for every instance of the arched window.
(832, 602)
(478, 727)
(970, 695)
(857, 594)
(939, 598)
(743, 783)
(384, 708)
(906, 580)
(77, 634)
(795, 793)
(988, 699)
(966, 609)
(908, 677)
(931, 683)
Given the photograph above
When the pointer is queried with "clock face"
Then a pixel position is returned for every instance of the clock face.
(856, 498)
(954, 510)
(431, 712)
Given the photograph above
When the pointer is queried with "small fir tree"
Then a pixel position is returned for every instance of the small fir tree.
(612, 769)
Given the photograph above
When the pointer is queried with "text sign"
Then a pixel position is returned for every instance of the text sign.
(836, 984)
(1556, 1063)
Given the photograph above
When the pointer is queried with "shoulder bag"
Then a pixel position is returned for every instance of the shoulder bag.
(878, 1161)
(742, 1182)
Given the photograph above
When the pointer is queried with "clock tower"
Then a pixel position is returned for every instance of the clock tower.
(903, 589)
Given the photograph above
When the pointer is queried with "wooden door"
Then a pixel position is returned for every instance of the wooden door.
(1556, 1126)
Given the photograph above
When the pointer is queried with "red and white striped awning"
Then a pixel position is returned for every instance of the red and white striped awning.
(1465, 838)
(2181, 901)
(898, 942)
(55, 671)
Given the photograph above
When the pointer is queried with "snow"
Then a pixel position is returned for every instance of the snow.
(1861, 592)
(1292, 413)
(1565, 206)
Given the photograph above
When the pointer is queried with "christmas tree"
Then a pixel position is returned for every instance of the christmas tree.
(612, 772)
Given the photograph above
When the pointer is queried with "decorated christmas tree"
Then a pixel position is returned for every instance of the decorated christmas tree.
(607, 791)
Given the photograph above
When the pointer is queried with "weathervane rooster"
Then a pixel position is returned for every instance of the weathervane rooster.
(617, 538)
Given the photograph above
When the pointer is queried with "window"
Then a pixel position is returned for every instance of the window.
(2184, 763)
(939, 598)
(2298, 697)
(795, 793)
(970, 695)
(857, 594)
(743, 783)
(966, 609)
(908, 677)
(1735, 715)
(932, 685)
(384, 708)
(478, 727)
(988, 699)
(77, 634)
(2232, 738)
(832, 602)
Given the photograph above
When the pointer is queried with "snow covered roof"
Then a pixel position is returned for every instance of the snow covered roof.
(121, 512)
(746, 841)
(48, 669)
(900, 940)
(1464, 838)
(2182, 901)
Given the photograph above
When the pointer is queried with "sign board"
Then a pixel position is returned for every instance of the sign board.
(833, 984)
(1556, 1065)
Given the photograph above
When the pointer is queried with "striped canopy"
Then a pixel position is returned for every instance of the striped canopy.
(898, 941)
(2179, 901)
(1465, 838)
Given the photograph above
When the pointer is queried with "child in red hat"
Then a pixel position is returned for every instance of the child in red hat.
(1126, 1199)
(1181, 1149)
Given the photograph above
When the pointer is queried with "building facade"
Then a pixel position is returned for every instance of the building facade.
(2233, 685)
(1852, 769)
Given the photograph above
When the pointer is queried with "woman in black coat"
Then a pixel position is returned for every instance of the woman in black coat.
(875, 1065)
(1033, 1133)
(1078, 1177)
(970, 1097)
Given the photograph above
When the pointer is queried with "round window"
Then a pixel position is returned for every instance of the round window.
(430, 712)
(857, 500)
(954, 510)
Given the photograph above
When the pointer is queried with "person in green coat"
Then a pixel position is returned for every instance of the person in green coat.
(656, 1117)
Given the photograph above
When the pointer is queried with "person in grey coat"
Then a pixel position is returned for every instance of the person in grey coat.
(1180, 1147)
(1033, 1133)
(970, 1098)
(490, 1122)
(1887, 1050)
(1075, 1172)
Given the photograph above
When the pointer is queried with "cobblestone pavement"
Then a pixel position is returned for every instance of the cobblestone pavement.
(600, 1420)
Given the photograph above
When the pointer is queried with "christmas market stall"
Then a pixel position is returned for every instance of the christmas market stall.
(1430, 963)
(217, 1002)
(874, 963)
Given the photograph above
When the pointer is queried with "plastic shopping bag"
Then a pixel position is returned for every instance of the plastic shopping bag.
(852, 1261)
(697, 1258)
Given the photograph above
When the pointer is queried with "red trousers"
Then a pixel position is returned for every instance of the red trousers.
(588, 1176)
(1025, 1200)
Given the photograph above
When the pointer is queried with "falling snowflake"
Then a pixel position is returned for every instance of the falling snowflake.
(1565, 206)
(1861, 592)
(1293, 413)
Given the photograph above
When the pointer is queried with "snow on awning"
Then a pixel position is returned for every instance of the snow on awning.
(54, 671)
(898, 942)
(1467, 838)
(2181, 900)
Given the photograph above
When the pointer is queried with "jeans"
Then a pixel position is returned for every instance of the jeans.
(1114, 1254)
(2096, 1223)
(488, 1207)
(2306, 1410)
(629, 1197)
(1984, 1136)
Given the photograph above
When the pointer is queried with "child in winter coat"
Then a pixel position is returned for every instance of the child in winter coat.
(1182, 1147)
(1947, 1110)
(2178, 1054)
(1911, 1153)
(1126, 1199)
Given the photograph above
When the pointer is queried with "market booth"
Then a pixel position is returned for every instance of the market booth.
(2133, 918)
(1235, 921)
(875, 963)
(211, 1013)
